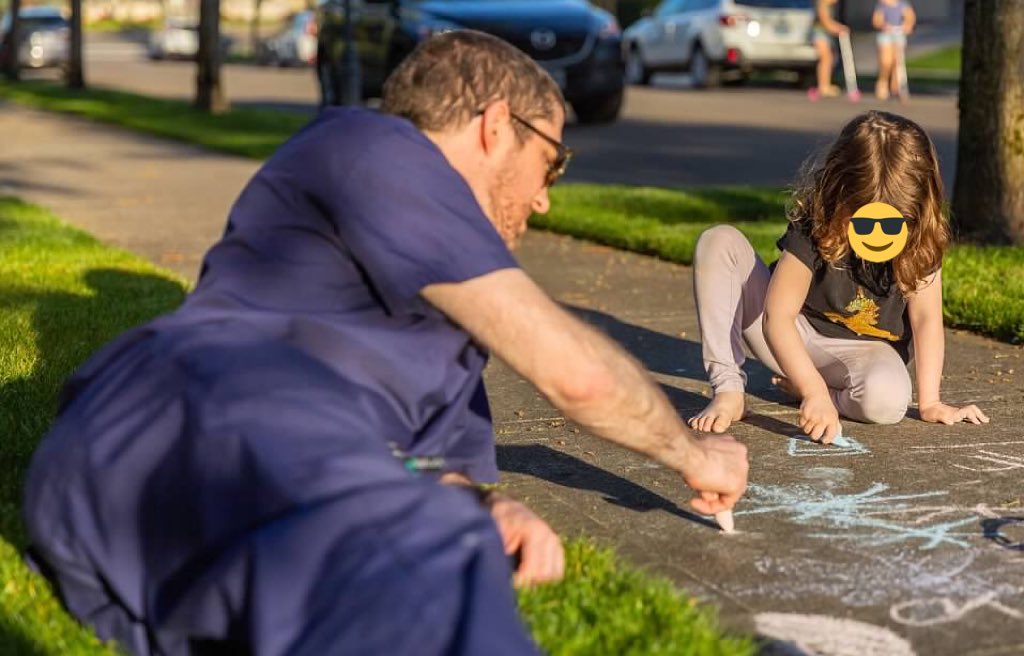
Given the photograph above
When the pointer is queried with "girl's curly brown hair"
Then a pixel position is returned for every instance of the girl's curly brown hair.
(878, 157)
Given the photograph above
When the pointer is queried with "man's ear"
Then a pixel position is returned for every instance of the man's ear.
(496, 118)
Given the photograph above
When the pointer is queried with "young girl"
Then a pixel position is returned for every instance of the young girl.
(823, 35)
(837, 329)
(894, 20)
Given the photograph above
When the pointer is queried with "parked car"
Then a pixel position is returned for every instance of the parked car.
(179, 39)
(578, 43)
(43, 36)
(715, 38)
(292, 46)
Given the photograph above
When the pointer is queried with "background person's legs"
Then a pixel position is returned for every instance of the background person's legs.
(823, 46)
(885, 67)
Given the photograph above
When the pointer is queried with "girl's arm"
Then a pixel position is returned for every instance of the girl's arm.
(786, 294)
(909, 18)
(826, 19)
(878, 20)
(925, 308)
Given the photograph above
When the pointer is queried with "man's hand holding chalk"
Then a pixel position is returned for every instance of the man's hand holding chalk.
(718, 476)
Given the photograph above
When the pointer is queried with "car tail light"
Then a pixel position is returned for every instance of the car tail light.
(732, 55)
(730, 20)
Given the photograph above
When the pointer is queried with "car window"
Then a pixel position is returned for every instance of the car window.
(43, 22)
(778, 4)
(705, 4)
(670, 7)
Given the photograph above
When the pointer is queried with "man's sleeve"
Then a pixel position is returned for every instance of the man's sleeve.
(473, 453)
(414, 225)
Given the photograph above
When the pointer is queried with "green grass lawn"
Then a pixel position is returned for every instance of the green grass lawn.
(947, 59)
(111, 25)
(63, 294)
(244, 131)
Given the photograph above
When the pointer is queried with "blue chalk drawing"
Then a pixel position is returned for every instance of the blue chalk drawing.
(803, 447)
(865, 510)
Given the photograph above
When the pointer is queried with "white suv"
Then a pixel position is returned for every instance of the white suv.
(709, 37)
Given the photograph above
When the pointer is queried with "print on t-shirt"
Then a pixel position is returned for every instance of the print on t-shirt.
(864, 320)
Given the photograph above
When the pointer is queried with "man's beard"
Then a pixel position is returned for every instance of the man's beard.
(509, 216)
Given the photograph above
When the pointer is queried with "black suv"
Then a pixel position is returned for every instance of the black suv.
(578, 43)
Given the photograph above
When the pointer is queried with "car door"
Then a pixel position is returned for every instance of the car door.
(702, 27)
(659, 48)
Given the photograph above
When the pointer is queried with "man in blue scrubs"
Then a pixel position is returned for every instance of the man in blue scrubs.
(233, 477)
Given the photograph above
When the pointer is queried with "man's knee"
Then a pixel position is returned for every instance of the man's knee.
(437, 569)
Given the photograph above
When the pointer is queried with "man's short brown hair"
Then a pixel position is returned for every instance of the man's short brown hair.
(449, 78)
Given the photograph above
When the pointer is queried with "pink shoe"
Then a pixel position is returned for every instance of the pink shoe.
(813, 94)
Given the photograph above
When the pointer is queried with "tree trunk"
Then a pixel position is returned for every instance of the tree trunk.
(988, 196)
(11, 65)
(254, 28)
(76, 71)
(209, 89)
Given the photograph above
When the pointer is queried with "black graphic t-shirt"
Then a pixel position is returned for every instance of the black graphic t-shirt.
(852, 299)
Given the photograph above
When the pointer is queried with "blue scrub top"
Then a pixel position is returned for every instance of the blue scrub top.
(327, 250)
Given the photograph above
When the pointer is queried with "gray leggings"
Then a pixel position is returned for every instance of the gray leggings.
(867, 379)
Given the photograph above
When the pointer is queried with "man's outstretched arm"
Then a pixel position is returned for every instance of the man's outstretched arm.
(589, 378)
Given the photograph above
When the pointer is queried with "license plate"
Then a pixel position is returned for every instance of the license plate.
(558, 75)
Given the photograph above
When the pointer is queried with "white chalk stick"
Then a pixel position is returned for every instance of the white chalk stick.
(725, 520)
(839, 440)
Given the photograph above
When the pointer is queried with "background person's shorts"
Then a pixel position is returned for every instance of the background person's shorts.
(821, 34)
(891, 38)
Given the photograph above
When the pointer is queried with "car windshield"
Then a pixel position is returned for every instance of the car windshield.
(34, 22)
(777, 4)
(43, 23)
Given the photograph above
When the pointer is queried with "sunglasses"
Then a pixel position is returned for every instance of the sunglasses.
(556, 169)
(890, 226)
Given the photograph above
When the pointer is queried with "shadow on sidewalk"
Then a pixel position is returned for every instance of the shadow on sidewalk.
(567, 471)
(672, 356)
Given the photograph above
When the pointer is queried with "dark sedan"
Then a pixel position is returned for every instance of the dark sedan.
(578, 43)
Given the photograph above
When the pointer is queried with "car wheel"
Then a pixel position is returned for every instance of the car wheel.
(325, 73)
(704, 73)
(636, 71)
(599, 109)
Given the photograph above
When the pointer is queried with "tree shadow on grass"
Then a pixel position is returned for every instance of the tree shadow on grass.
(68, 328)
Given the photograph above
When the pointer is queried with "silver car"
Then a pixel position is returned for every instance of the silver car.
(42, 37)
(295, 45)
(716, 38)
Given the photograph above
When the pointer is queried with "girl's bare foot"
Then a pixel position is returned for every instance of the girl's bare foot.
(783, 384)
(724, 409)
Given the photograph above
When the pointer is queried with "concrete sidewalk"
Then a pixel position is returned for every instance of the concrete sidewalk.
(908, 541)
